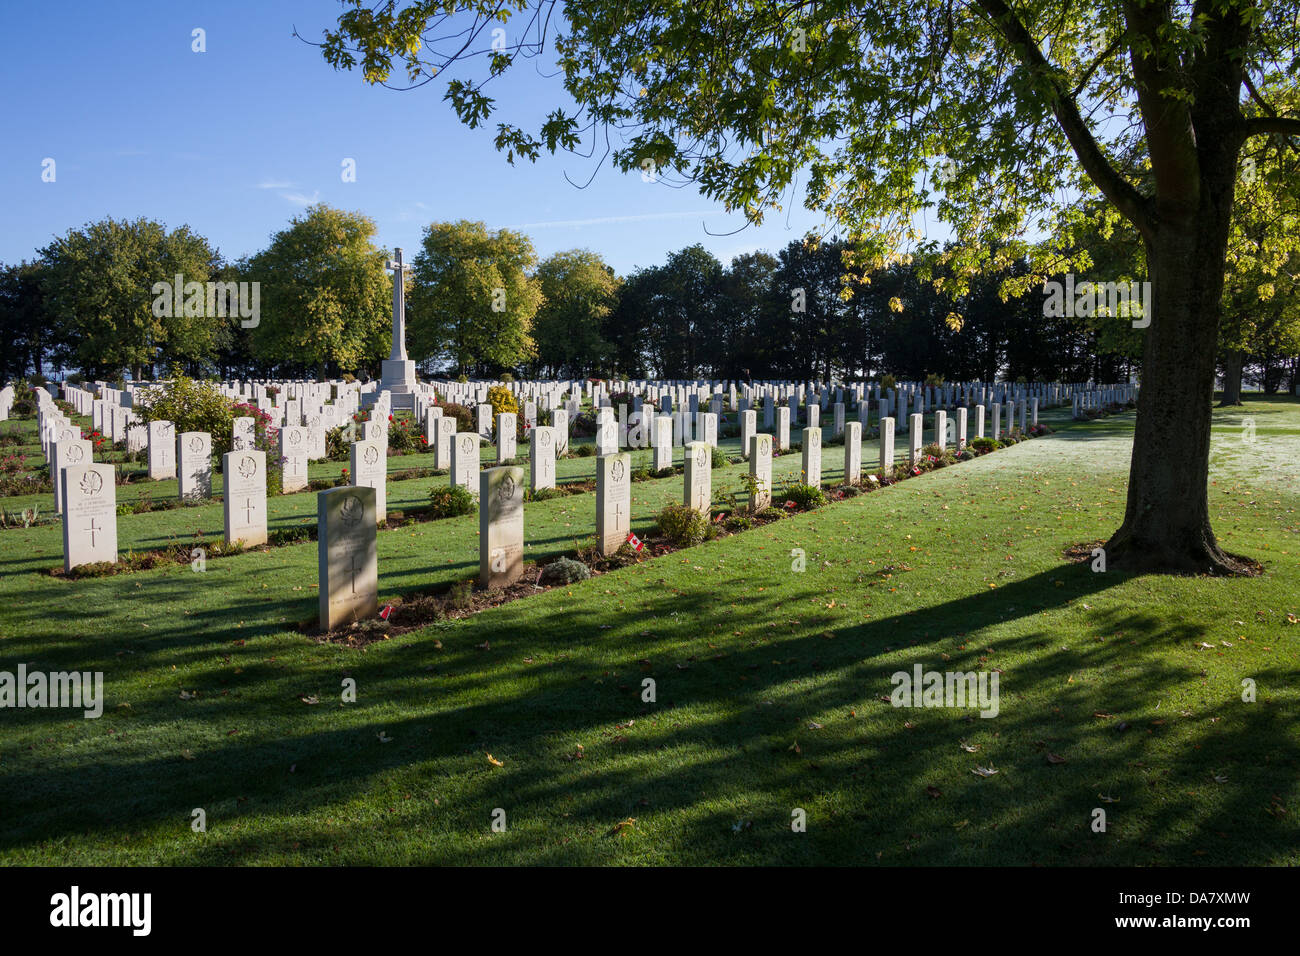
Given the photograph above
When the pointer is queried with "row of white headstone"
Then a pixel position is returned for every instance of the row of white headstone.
(347, 517)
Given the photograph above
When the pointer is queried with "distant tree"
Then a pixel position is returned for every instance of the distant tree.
(28, 335)
(326, 300)
(678, 305)
(744, 318)
(472, 299)
(99, 292)
(578, 293)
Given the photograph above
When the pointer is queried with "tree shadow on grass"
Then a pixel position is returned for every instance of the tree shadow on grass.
(710, 765)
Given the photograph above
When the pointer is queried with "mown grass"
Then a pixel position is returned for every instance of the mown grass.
(767, 683)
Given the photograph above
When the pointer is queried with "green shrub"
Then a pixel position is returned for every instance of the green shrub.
(585, 451)
(770, 513)
(337, 444)
(461, 595)
(983, 445)
(934, 381)
(739, 523)
(191, 406)
(450, 501)
(502, 400)
(464, 417)
(683, 526)
(544, 494)
(887, 382)
(718, 459)
(564, 571)
(805, 497)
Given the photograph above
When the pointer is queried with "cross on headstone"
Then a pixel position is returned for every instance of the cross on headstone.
(399, 268)
(248, 510)
(355, 567)
(92, 530)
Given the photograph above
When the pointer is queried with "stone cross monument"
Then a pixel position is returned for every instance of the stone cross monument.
(398, 370)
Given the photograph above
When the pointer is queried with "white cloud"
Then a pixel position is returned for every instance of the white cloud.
(275, 184)
(300, 199)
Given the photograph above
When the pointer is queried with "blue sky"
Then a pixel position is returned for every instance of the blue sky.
(238, 139)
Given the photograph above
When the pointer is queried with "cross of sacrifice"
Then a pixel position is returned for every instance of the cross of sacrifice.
(399, 268)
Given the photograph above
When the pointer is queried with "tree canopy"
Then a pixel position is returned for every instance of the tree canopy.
(326, 298)
(472, 297)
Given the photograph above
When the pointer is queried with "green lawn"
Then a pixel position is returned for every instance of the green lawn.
(768, 684)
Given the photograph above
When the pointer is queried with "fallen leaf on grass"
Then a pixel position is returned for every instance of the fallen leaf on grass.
(1054, 758)
(621, 828)
(984, 771)
(494, 761)
(969, 748)
(934, 792)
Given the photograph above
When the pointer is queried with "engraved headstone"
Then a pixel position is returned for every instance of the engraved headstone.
(812, 455)
(89, 515)
(760, 470)
(698, 485)
(541, 457)
(501, 526)
(613, 501)
(194, 466)
(162, 451)
(369, 466)
(244, 498)
(347, 556)
(465, 460)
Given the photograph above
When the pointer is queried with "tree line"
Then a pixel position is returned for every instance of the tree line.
(480, 303)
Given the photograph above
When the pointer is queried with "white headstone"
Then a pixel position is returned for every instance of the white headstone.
(89, 515)
(698, 486)
(294, 446)
(541, 457)
(162, 451)
(465, 460)
(501, 525)
(760, 470)
(613, 501)
(244, 496)
(812, 455)
(506, 437)
(852, 452)
(369, 465)
(347, 556)
(194, 466)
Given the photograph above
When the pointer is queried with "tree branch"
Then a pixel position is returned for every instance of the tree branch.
(1283, 125)
(1132, 204)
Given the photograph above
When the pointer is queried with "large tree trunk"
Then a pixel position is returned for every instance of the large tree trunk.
(1166, 523)
(1232, 366)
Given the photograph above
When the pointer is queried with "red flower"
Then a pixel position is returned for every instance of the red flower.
(791, 504)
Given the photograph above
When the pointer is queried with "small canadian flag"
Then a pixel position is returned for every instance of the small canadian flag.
(388, 609)
(634, 541)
